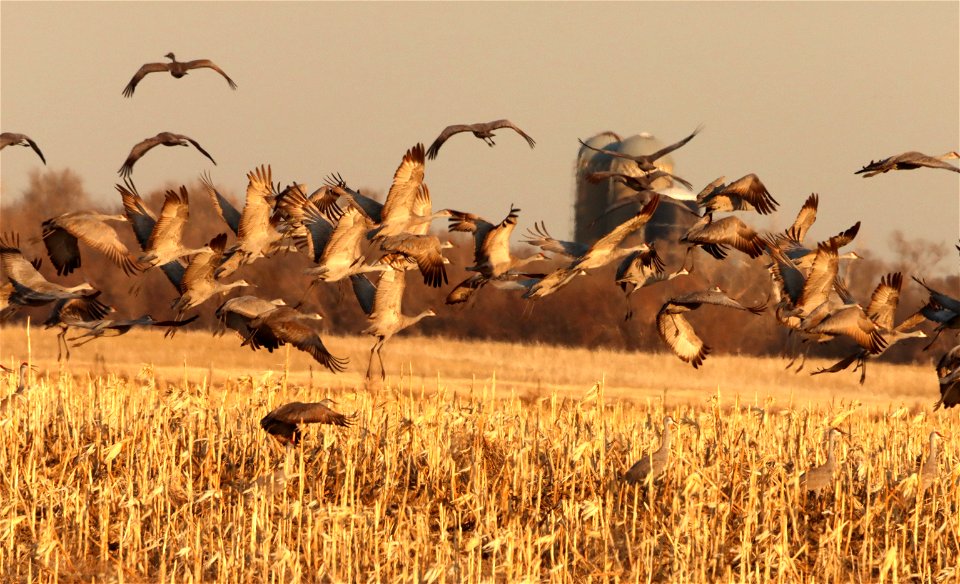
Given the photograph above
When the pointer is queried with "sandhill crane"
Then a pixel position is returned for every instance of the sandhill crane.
(948, 374)
(30, 287)
(285, 324)
(653, 464)
(283, 423)
(61, 234)
(881, 310)
(19, 394)
(387, 318)
(236, 313)
(850, 321)
(642, 183)
(940, 308)
(142, 220)
(820, 477)
(397, 211)
(343, 255)
(481, 130)
(73, 312)
(511, 280)
(802, 256)
(166, 238)
(370, 207)
(115, 328)
(713, 236)
(492, 258)
(645, 268)
(257, 234)
(744, 194)
(928, 470)
(424, 250)
(909, 161)
(164, 139)
(176, 68)
(604, 251)
(646, 161)
(677, 332)
(14, 139)
(199, 284)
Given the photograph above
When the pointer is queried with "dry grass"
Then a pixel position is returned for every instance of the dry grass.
(142, 460)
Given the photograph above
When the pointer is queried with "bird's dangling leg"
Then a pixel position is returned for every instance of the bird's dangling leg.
(383, 370)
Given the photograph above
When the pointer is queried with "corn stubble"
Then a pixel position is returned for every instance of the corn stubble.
(141, 479)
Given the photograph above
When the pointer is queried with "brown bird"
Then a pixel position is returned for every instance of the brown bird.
(646, 161)
(30, 288)
(176, 68)
(283, 423)
(386, 317)
(744, 194)
(62, 233)
(285, 324)
(677, 332)
(163, 138)
(199, 284)
(423, 250)
(115, 328)
(605, 250)
(820, 477)
(881, 310)
(715, 236)
(929, 470)
(13, 139)
(484, 131)
(74, 312)
(7, 402)
(909, 161)
(142, 220)
(166, 238)
(653, 464)
(948, 374)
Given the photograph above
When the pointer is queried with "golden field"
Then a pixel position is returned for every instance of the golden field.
(142, 460)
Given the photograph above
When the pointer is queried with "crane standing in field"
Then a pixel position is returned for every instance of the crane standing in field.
(19, 394)
(653, 464)
(820, 477)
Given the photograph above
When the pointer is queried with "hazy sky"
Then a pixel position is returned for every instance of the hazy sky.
(801, 94)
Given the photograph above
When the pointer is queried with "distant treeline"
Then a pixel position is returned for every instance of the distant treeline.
(589, 312)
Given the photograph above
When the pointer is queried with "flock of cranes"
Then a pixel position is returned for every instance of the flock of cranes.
(350, 236)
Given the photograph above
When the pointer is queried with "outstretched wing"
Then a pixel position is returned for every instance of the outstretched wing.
(677, 332)
(140, 74)
(444, 135)
(208, 64)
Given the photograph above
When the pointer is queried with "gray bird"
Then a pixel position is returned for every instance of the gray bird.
(909, 161)
(13, 139)
(819, 477)
(161, 139)
(653, 464)
(484, 131)
(176, 68)
(283, 423)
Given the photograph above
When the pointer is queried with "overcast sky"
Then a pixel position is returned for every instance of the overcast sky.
(801, 94)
